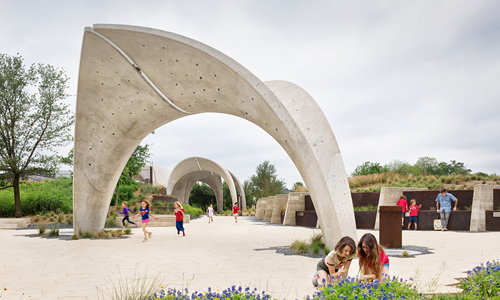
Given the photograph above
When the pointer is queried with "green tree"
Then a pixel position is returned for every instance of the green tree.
(135, 163)
(202, 196)
(400, 167)
(265, 182)
(296, 184)
(368, 168)
(33, 120)
(425, 165)
(248, 193)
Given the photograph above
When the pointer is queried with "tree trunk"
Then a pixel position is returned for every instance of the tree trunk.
(17, 196)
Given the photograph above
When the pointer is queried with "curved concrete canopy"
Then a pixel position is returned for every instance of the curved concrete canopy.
(240, 189)
(182, 188)
(179, 176)
(131, 74)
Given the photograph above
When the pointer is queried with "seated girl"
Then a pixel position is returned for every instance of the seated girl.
(335, 265)
(373, 262)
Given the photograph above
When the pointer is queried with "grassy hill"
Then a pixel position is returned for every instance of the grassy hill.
(374, 182)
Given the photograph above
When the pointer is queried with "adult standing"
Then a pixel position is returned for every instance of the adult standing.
(444, 200)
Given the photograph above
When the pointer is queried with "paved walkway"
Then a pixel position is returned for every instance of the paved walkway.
(216, 255)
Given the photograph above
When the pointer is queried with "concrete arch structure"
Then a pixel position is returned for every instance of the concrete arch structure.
(133, 80)
(191, 170)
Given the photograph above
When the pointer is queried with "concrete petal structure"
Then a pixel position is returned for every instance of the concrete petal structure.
(133, 80)
(191, 170)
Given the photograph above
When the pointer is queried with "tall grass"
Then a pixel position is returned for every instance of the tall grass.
(39, 197)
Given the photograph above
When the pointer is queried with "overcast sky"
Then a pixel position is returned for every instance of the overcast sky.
(396, 79)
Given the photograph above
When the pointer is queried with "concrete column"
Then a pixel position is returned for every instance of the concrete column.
(261, 208)
(296, 202)
(269, 208)
(482, 200)
(279, 207)
(389, 196)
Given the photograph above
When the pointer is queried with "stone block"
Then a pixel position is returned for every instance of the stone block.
(481, 202)
(278, 207)
(269, 208)
(296, 202)
(261, 207)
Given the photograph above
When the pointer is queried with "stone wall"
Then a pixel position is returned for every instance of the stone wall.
(481, 202)
(261, 208)
(269, 208)
(296, 202)
(279, 207)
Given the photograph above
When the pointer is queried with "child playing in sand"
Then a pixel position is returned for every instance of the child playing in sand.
(335, 265)
(144, 211)
(413, 213)
(179, 218)
(402, 202)
(125, 214)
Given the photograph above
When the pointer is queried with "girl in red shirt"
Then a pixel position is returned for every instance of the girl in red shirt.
(179, 218)
(373, 262)
(235, 212)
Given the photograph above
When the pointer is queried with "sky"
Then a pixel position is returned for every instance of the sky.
(395, 79)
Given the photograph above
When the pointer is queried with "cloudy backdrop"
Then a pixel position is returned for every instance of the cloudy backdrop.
(396, 79)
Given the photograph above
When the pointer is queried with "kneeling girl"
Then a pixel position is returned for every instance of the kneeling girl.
(336, 264)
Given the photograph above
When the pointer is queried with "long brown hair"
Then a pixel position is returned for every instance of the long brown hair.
(373, 255)
(346, 241)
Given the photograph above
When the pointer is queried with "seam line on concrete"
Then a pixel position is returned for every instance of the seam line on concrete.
(139, 70)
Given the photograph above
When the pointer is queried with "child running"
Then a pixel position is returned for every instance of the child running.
(402, 202)
(125, 214)
(335, 266)
(144, 211)
(235, 211)
(210, 213)
(373, 262)
(179, 218)
(414, 213)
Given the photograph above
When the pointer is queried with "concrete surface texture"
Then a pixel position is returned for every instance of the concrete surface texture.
(133, 80)
(389, 196)
(191, 170)
(278, 207)
(482, 200)
(268, 213)
(216, 255)
(261, 208)
(296, 202)
(242, 198)
(160, 175)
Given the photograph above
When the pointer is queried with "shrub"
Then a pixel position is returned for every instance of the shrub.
(108, 235)
(405, 254)
(36, 219)
(87, 235)
(192, 211)
(41, 229)
(301, 247)
(51, 219)
(75, 236)
(69, 220)
(326, 250)
(315, 248)
(101, 234)
(54, 231)
(119, 234)
(114, 233)
(317, 240)
(60, 218)
(110, 222)
(127, 230)
(141, 197)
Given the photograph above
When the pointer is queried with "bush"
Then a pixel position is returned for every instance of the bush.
(75, 236)
(127, 230)
(36, 219)
(41, 229)
(108, 235)
(299, 247)
(60, 218)
(87, 235)
(149, 189)
(69, 220)
(326, 250)
(192, 211)
(51, 219)
(110, 222)
(125, 193)
(483, 281)
(54, 231)
(315, 248)
(101, 234)
(119, 234)
(114, 233)
(39, 197)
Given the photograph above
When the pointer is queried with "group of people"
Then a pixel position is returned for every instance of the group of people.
(373, 262)
(145, 212)
(443, 208)
(210, 212)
